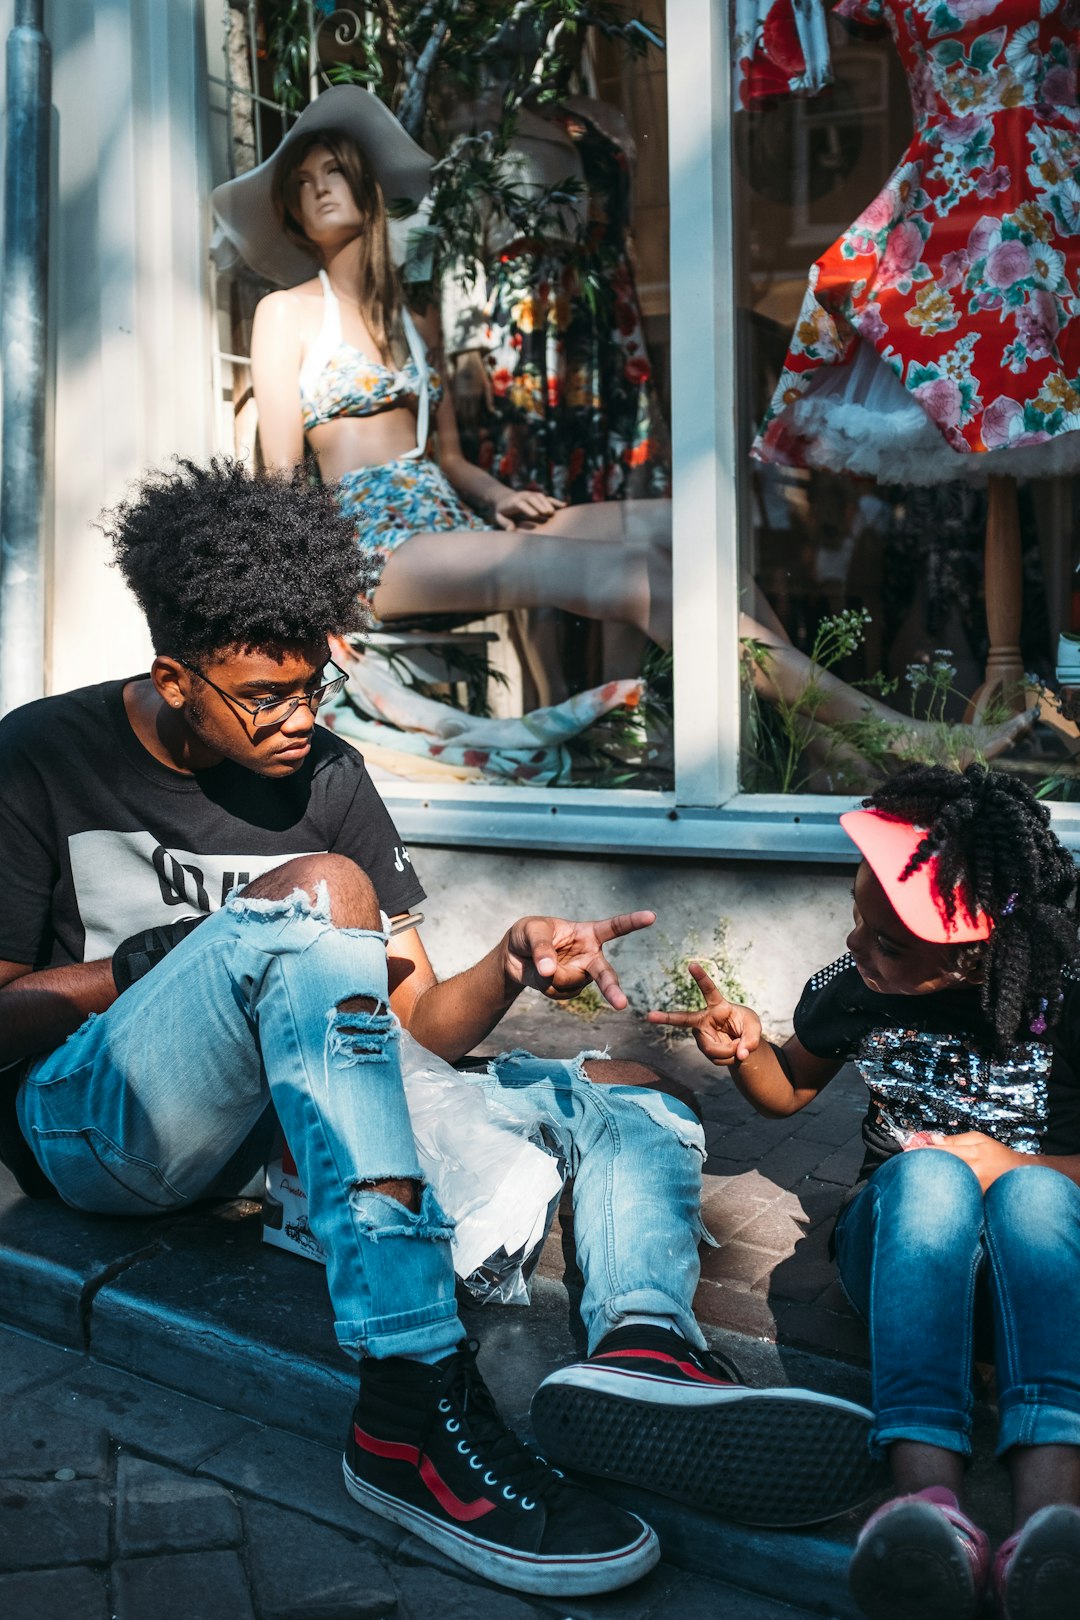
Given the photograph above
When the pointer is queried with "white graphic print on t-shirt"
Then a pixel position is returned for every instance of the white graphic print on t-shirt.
(127, 881)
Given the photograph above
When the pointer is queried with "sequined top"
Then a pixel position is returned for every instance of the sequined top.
(337, 379)
(928, 1066)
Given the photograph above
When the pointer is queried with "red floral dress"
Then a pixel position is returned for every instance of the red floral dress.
(963, 275)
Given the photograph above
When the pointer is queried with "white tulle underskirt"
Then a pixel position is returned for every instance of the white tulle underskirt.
(860, 418)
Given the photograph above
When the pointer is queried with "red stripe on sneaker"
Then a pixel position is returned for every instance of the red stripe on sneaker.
(440, 1490)
(686, 1367)
(386, 1448)
(446, 1498)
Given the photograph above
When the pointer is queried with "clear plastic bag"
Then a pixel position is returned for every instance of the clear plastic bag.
(497, 1176)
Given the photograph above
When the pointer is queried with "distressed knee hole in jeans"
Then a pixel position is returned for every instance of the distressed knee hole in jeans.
(669, 1114)
(380, 1216)
(359, 1036)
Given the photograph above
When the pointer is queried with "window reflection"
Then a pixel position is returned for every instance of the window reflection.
(860, 555)
(521, 539)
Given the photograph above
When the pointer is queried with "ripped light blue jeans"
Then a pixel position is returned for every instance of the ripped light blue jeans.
(175, 1092)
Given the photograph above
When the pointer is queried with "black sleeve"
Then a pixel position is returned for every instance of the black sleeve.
(361, 828)
(28, 854)
(831, 1018)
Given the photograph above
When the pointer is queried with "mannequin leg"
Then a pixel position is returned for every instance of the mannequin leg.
(1003, 577)
(789, 673)
(492, 571)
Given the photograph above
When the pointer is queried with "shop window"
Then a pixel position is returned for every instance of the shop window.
(941, 265)
(555, 310)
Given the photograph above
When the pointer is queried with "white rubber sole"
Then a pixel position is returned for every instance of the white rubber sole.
(581, 1576)
(660, 1391)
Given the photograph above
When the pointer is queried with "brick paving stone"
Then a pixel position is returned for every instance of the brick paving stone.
(835, 1124)
(777, 1228)
(823, 1330)
(426, 1592)
(755, 1185)
(161, 1510)
(834, 1299)
(716, 1163)
(299, 1568)
(189, 1586)
(736, 1263)
(842, 1165)
(156, 1421)
(806, 1281)
(790, 1160)
(50, 1522)
(36, 1440)
(76, 1594)
(818, 1200)
(730, 1307)
(29, 1362)
(699, 1599)
(749, 1142)
(298, 1474)
(724, 1221)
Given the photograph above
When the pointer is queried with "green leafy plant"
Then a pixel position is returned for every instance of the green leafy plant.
(668, 983)
(779, 735)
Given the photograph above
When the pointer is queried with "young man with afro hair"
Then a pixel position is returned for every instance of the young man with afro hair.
(198, 942)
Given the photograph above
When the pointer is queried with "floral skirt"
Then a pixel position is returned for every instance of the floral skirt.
(397, 499)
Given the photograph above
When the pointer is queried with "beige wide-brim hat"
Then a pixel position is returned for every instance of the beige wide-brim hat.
(244, 206)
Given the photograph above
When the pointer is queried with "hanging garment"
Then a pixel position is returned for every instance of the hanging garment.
(779, 47)
(571, 403)
(940, 336)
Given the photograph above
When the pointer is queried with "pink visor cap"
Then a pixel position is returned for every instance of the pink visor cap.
(887, 846)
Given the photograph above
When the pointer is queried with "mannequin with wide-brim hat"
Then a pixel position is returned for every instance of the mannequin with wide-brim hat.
(339, 360)
(373, 387)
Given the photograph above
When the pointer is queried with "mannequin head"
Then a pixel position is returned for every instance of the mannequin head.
(327, 200)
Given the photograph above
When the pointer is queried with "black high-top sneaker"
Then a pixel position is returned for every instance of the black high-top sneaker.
(429, 1451)
(649, 1408)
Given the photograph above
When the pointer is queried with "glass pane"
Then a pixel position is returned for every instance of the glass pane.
(946, 260)
(524, 557)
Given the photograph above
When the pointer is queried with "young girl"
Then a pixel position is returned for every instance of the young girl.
(958, 1001)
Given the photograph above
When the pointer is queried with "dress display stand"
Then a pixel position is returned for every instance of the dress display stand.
(939, 338)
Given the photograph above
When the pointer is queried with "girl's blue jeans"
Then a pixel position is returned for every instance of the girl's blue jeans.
(175, 1092)
(910, 1247)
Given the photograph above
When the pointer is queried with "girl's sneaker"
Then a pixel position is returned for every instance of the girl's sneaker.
(920, 1555)
(651, 1410)
(1037, 1571)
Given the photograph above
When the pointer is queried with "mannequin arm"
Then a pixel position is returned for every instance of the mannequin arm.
(275, 373)
(512, 508)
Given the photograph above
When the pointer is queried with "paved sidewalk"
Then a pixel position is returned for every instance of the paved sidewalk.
(121, 1499)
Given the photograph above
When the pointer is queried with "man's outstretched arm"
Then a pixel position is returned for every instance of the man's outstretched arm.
(553, 955)
(39, 1010)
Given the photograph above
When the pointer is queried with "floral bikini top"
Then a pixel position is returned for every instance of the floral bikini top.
(337, 379)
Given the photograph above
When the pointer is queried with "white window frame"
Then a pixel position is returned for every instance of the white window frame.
(705, 814)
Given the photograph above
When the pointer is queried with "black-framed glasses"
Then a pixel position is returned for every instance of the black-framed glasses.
(273, 711)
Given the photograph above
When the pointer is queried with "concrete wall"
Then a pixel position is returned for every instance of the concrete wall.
(783, 921)
(129, 311)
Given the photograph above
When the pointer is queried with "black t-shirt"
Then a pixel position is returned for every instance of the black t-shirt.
(925, 1063)
(99, 840)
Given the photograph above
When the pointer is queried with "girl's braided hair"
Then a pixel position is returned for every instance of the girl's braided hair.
(993, 844)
